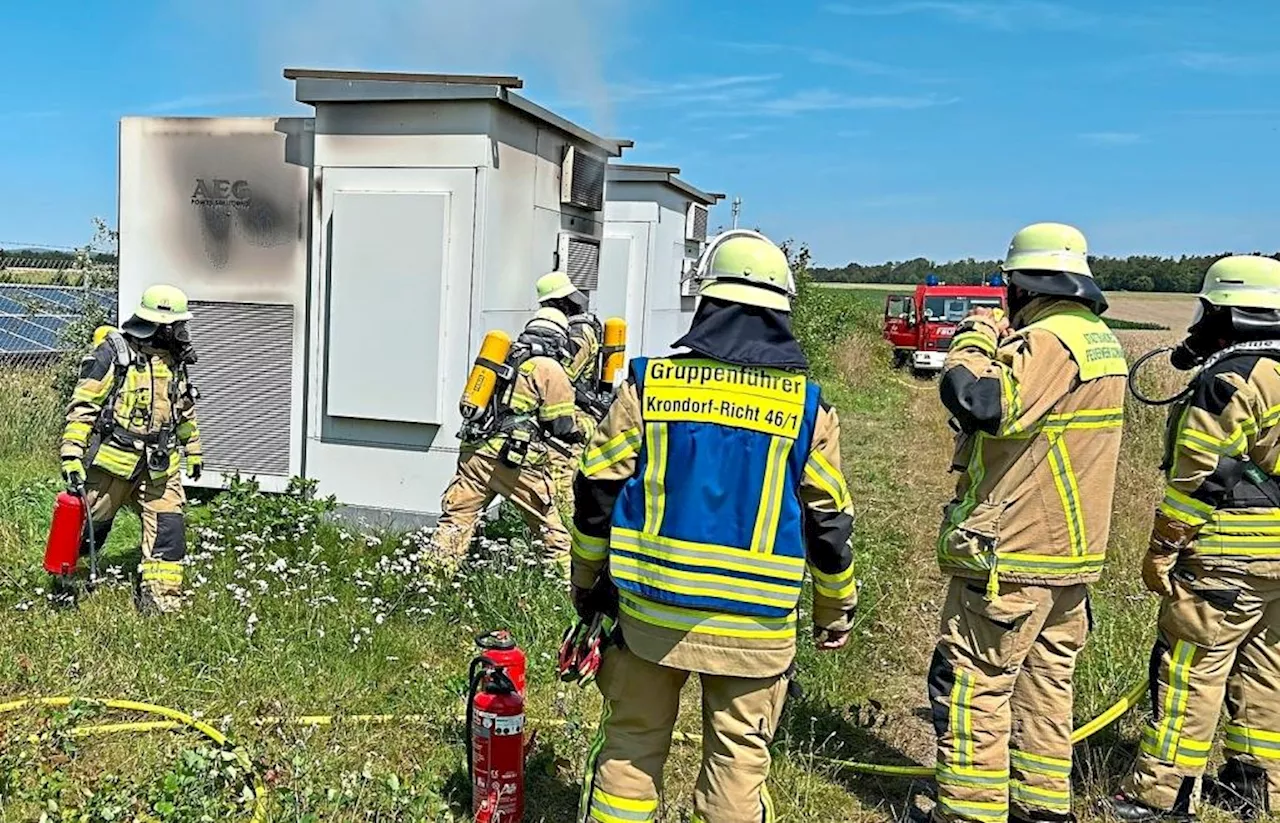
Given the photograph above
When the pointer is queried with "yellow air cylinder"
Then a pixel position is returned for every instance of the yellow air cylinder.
(100, 335)
(484, 374)
(615, 347)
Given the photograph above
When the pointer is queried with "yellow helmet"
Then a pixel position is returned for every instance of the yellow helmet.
(1053, 259)
(163, 305)
(549, 319)
(1243, 281)
(554, 285)
(745, 267)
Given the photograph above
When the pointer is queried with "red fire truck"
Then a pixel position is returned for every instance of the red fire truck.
(920, 325)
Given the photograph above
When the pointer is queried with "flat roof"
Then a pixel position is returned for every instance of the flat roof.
(313, 86)
(666, 175)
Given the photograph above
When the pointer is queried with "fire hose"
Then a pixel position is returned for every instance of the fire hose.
(176, 720)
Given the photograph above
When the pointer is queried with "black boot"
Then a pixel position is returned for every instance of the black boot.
(1044, 817)
(1240, 789)
(1128, 810)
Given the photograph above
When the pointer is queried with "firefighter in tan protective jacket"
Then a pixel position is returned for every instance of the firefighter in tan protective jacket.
(711, 486)
(1214, 556)
(131, 418)
(1038, 404)
(511, 459)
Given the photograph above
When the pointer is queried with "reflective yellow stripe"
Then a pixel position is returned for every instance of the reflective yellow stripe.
(1040, 764)
(702, 584)
(708, 555)
(1267, 522)
(966, 776)
(552, 411)
(610, 808)
(618, 448)
(1020, 563)
(835, 586)
(77, 432)
(1184, 508)
(976, 339)
(522, 402)
(1254, 742)
(1239, 545)
(162, 570)
(1175, 700)
(1012, 401)
(593, 758)
(116, 461)
(1108, 418)
(1208, 444)
(820, 470)
(709, 623)
(1052, 799)
(985, 812)
(655, 477)
(1064, 479)
(976, 471)
(772, 489)
(187, 430)
(586, 547)
(962, 718)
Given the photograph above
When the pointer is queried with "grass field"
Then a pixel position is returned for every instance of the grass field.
(293, 614)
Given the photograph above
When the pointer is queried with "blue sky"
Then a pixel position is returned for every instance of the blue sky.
(870, 129)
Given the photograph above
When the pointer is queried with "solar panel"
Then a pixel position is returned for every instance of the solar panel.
(32, 318)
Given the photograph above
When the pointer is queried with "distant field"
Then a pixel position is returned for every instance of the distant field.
(1165, 309)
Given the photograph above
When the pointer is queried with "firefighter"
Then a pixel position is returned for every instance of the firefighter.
(705, 504)
(556, 291)
(510, 459)
(132, 413)
(1214, 557)
(1037, 402)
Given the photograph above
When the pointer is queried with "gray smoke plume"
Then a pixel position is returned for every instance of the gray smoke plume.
(558, 41)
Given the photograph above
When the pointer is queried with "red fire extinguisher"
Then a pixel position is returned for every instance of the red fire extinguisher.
(500, 649)
(495, 743)
(70, 525)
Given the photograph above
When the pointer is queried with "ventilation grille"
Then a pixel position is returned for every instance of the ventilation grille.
(245, 376)
(580, 259)
(582, 180)
(696, 223)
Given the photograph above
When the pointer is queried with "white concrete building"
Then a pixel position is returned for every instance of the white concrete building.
(344, 268)
(655, 228)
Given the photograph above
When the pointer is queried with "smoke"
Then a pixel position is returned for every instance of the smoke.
(559, 46)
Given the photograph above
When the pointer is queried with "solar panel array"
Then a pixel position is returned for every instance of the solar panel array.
(32, 317)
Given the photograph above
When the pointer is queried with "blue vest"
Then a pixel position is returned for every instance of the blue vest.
(712, 517)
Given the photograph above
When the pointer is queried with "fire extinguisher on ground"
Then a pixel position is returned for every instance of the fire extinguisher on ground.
(71, 526)
(495, 731)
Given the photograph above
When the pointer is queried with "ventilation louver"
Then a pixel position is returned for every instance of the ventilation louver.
(582, 180)
(245, 379)
(580, 259)
(695, 223)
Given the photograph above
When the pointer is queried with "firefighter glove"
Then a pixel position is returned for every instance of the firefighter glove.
(582, 602)
(195, 466)
(1157, 568)
(73, 472)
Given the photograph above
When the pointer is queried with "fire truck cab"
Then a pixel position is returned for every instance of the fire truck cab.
(920, 325)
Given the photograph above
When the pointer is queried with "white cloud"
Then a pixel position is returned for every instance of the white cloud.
(725, 89)
(1112, 138)
(1008, 15)
(816, 100)
(823, 57)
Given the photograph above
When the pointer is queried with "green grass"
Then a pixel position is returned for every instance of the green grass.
(293, 613)
(1133, 325)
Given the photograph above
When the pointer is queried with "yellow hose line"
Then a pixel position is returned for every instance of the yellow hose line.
(175, 717)
(178, 720)
(1081, 734)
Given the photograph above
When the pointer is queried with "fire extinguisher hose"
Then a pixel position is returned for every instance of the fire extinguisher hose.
(173, 719)
(176, 720)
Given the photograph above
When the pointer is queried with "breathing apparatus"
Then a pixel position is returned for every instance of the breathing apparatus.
(1238, 313)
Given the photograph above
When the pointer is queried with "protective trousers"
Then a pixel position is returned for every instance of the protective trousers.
(564, 467)
(159, 503)
(1219, 637)
(624, 766)
(479, 480)
(1000, 687)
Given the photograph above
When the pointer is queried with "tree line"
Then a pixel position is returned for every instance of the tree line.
(49, 258)
(1134, 273)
